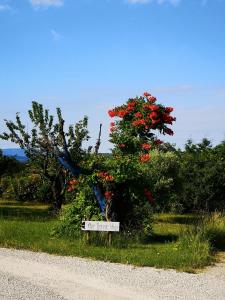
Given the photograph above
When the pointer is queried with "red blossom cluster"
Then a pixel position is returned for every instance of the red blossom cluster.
(72, 185)
(168, 131)
(149, 196)
(122, 146)
(145, 157)
(146, 146)
(138, 122)
(106, 176)
(143, 113)
(158, 142)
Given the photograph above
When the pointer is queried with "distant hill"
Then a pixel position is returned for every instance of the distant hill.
(15, 152)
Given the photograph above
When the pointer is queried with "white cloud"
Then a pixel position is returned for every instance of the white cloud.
(160, 2)
(138, 1)
(55, 35)
(4, 7)
(46, 3)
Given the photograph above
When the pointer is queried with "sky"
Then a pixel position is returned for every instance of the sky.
(87, 56)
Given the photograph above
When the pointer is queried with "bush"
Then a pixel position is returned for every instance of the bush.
(25, 188)
(83, 207)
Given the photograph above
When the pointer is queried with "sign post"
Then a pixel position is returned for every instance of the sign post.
(101, 226)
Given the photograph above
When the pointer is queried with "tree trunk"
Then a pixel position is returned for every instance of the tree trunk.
(58, 191)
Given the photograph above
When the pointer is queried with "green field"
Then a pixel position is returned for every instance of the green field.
(173, 244)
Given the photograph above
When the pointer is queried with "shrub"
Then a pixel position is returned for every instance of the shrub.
(31, 188)
(83, 207)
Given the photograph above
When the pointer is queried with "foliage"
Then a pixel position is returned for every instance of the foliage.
(202, 177)
(84, 207)
(45, 142)
(26, 188)
(163, 174)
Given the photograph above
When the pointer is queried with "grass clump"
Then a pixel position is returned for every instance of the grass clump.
(213, 227)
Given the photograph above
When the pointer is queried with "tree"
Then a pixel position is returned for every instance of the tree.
(202, 176)
(48, 146)
(134, 138)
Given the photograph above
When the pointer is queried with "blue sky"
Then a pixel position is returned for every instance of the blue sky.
(87, 56)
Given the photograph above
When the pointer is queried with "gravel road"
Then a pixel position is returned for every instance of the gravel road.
(38, 276)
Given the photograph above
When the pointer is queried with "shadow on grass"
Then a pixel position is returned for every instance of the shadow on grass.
(180, 219)
(159, 239)
(25, 213)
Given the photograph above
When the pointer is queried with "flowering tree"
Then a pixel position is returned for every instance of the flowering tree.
(121, 181)
(123, 177)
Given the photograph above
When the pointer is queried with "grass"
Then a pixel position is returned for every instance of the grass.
(174, 244)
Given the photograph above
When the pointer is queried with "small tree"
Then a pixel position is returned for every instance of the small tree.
(46, 143)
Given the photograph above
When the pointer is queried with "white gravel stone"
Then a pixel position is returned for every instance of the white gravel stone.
(28, 275)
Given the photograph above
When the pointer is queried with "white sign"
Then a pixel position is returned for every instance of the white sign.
(100, 226)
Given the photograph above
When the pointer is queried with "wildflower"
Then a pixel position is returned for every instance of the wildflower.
(146, 94)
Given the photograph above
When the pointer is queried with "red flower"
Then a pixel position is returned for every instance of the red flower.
(138, 115)
(154, 122)
(112, 129)
(122, 113)
(131, 105)
(168, 131)
(152, 99)
(153, 115)
(109, 178)
(112, 124)
(146, 94)
(145, 146)
(112, 113)
(121, 146)
(149, 196)
(145, 157)
(154, 107)
(102, 174)
(168, 109)
(106, 176)
(168, 119)
(72, 185)
(158, 142)
(138, 122)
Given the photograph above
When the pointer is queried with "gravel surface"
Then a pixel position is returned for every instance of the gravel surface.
(28, 275)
